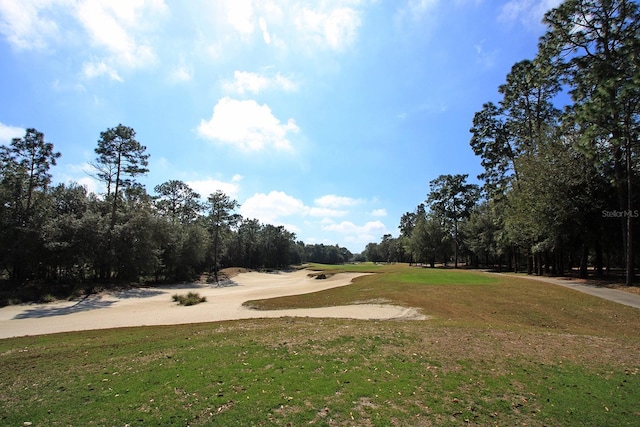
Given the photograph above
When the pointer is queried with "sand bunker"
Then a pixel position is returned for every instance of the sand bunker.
(154, 306)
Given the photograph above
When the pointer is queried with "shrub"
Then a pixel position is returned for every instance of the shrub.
(191, 298)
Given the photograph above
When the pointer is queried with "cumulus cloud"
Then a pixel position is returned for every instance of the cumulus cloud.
(333, 201)
(7, 133)
(358, 234)
(326, 212)
(244, 82)
(348, 227)
(379, 212)
(114, 25)
(269, 208)
(208, 186)
(277, 204)
(247, 126)
(240, 16)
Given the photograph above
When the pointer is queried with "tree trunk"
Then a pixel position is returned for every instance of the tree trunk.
(584, 261)
(598, 260)
(629, 264)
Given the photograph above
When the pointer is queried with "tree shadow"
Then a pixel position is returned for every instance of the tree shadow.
(136, 293)
(85, 304)
(224, 283)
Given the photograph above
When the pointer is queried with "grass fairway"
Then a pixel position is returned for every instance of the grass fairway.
(497, 351)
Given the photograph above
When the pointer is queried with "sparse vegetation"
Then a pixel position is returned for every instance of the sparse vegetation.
(192, 298)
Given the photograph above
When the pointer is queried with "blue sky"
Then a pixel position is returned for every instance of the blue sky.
(329, 117)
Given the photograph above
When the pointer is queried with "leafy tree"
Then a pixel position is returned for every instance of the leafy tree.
(120, 158)
(482, 233)
(526, 114)
(596, 45)
(177, 202)
(221, 217)
(24, 179)
(451, 198)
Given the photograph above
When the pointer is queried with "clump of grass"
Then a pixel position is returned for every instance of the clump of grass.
(192, 298)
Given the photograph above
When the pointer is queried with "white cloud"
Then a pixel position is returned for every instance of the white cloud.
(326, 212)
(240, 16)
(265, 31)
(29, 24)
(379, 212)
(97, 69)
(182, 74)
(118, 25)
(247, 126)
(269, 208)
(208, 186)
(526, 12)
(336, 28)
(82, 174)
(358, 234)
(7, 133)
(333, 201)
(244, 81)
(348, 227)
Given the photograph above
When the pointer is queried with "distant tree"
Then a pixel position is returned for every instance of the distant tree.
(221, 217)
(24, 181)
(451, 198)
(372, 252)
(120, 158)
(177, 202)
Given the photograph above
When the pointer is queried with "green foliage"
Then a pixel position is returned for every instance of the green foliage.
(192, 298)
(53, 237)
(555, 173)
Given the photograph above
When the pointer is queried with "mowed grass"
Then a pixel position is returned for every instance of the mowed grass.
(497, 351)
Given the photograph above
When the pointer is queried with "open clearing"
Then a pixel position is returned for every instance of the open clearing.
(496, 350)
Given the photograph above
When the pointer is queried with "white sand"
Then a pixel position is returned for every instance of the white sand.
(154, 306)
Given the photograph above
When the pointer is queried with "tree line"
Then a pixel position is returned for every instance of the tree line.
(63, 234)
(560, 158)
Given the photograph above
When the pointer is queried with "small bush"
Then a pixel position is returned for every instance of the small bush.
(47, 298)
(191, 298)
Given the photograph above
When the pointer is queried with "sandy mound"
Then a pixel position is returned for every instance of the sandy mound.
(154, 306)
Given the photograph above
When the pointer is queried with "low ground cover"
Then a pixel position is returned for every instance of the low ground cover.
(499, 351)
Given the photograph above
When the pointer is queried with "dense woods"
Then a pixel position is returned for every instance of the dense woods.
(560, 158)
(53, 235)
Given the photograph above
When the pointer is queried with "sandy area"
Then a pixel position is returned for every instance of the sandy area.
(154, 306)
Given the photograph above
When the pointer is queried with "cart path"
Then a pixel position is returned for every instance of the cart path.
(615, 295)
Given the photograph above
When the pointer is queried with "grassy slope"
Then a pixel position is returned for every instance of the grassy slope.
(497, 352)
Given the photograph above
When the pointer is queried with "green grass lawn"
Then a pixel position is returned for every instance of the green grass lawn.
(497, 351)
